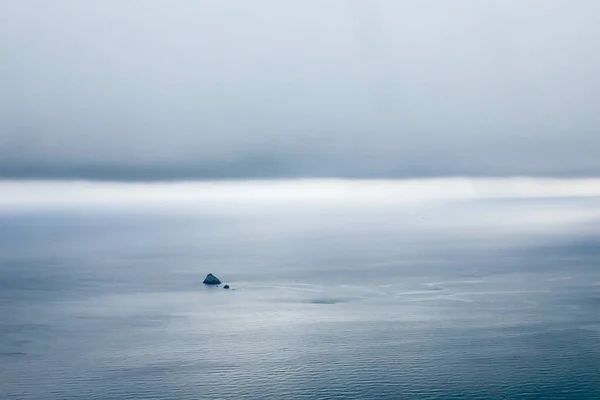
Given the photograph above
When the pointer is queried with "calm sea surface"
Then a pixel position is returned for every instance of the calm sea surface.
(465, 300)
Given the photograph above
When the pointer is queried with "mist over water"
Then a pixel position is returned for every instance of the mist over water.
(335, 297)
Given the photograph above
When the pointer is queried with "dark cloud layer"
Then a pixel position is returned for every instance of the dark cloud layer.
(145, 90)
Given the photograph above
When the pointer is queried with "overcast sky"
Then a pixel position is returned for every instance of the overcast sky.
(146, 90)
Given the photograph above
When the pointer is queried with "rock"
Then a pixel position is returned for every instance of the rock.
(211, 280)
(226, 287)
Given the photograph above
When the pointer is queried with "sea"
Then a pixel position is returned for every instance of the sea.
(495, 298)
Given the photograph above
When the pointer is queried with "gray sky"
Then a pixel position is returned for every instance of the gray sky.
(148, 90)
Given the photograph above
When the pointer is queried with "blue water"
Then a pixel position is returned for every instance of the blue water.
(369, 304)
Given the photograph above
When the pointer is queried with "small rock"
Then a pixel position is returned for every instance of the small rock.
(226, 287)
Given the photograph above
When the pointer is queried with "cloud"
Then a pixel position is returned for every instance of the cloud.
(305, 192)
(137, 90)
